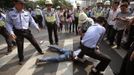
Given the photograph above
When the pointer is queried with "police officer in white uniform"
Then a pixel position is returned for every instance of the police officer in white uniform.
(18, 26)
(52, 21)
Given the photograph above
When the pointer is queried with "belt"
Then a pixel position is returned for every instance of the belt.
(2, 27)
(87, 47)
(22, 30)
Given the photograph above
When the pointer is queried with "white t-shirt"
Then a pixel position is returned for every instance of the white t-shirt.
(93, 35)
(112, 15)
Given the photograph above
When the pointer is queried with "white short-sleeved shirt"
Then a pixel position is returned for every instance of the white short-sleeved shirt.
(92, 35)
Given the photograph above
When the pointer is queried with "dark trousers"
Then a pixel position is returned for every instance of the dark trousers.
(127, 67)
(116, 35)
(5, 34)
(76, 25)
(104, 60)
(21, 34)
(130, 37)
(39, 19)
(109, 31)
(52, 28)
(73, 22)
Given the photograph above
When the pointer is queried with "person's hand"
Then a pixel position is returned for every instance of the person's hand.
(132, 56)
(117, 18)
(12, 37)
(97, 51)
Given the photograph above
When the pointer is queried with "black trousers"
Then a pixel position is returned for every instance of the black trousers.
(52, 28)
(21, 34)
(76, 25)
(116, 35)
(39, 19)
(130, 37)
(127, 67)
(5, 34)
(104, 59)
(109, 31)
(73, 24)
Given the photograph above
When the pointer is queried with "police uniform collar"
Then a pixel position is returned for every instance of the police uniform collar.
(51, 9)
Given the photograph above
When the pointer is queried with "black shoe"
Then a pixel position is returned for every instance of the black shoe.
(95, 73)
(41, 53)
(57, 43)
(37, 62)
(21, 62)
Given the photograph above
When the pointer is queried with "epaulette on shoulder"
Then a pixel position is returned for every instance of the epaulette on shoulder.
(11, 9)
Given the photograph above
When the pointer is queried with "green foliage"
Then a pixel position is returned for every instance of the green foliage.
(56, 3)
(29, 4)
(6, 4)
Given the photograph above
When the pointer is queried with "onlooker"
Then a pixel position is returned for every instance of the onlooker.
(121, 24)
(114, 10)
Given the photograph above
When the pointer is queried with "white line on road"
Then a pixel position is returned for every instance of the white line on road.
(3, 46)
(108, 70)
(29, 67)
(120, 51)
(5, 59)
(66, 68)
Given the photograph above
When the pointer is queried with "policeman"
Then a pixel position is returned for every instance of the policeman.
(51, 21)
(97, 11)
(4, 32)
(18, 26)
(38, 16)
(76, 14)
(106, 8)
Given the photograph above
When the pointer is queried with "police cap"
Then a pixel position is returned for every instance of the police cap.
(22, 1)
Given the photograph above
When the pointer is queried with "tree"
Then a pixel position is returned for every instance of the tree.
(6, 4)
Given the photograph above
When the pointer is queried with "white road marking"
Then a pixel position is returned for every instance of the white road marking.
(3, 46)
(66, 68)
(120, 51)
(29, 67)
(5, 59)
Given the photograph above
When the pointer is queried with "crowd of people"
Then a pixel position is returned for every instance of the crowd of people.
(108, 21)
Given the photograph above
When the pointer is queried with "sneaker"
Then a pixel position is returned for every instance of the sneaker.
(56, 43)
(80, 59)
(37, 62)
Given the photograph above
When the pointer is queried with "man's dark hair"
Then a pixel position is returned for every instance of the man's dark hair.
(101, 20)
(116, 2)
